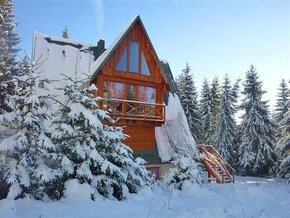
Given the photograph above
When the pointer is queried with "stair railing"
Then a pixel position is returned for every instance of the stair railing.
(213, 157)
(225, 164)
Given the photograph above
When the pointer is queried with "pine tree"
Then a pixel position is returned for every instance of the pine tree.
(216, 98)
(23, 151)
(188, 96)
(206, 114)
(8, 51)
(256, 150)
(235, 93)
(92, 152)
(225, 134)
(282, 100)
(284, 145)
(65, 33)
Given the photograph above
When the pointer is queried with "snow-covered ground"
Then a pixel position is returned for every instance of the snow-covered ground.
(249, 197)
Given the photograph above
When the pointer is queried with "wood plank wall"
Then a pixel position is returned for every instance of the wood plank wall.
(141, 138)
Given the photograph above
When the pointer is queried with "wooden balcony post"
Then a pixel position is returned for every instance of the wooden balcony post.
(123, 109)
(145, 111)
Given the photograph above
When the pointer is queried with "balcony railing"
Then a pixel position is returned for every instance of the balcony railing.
(133, 110)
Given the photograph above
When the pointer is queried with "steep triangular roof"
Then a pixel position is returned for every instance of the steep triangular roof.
(106, 54)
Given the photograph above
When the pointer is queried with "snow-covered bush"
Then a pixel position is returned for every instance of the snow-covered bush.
(23, 151)
(90, 151)
(185, 170)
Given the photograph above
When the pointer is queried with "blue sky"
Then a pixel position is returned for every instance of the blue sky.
(214, 37)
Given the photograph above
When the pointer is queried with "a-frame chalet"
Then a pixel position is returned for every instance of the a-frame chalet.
(138, 90)
(131, 79)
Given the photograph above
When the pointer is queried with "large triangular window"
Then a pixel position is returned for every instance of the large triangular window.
(122, 64)
(144, 66)
(136, 64)
(134, 57)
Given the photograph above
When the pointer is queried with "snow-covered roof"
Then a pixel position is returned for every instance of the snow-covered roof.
(44, 46)
(105, 55)
(59, 41)
(55, 56)
(174, 135)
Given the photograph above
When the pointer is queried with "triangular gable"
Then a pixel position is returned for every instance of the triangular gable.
(100, 62)
(131, 65)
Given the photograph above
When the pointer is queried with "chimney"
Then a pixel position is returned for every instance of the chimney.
(99, 49)
(101, 46)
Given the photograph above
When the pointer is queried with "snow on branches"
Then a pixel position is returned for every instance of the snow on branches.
(23, 150)
(90, 151)
(256, 151)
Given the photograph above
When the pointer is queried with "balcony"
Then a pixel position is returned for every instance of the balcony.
(133, 110)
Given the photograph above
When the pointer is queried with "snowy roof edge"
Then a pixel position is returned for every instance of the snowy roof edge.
(61, 39)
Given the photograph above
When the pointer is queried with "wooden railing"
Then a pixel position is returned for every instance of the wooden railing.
(133, 110)
(216, 166)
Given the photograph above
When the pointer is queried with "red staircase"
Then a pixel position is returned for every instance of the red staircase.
(217, 168)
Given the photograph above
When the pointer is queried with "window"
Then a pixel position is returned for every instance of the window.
(122, 64)
(114, 90)
(117, 90)
(154, 171)
(147, 94)
(135, 62)
(144, 67)
(134, 54)
(131, 93)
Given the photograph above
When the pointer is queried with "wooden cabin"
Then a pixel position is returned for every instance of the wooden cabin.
(138, 90)
(130, 78)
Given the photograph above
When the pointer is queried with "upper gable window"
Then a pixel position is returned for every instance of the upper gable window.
(144, 67)
(134, 57)
(122, 64)
(136, 64)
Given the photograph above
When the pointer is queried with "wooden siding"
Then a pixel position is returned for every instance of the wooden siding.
(141, 138)
(142, 133)
(109, 72)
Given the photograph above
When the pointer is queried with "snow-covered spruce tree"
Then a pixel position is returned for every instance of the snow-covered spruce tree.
(65, 33)
(284, 146)
(23, 151)
(256, 151)
(206, 114)
(90, 151)
(282, 100)
(215, 107)
(236, 94)
(8, 51)
(185, 170)
(188, 96)
(225, 134)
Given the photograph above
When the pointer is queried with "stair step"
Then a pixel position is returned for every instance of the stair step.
(215, 165)
(211, 179)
